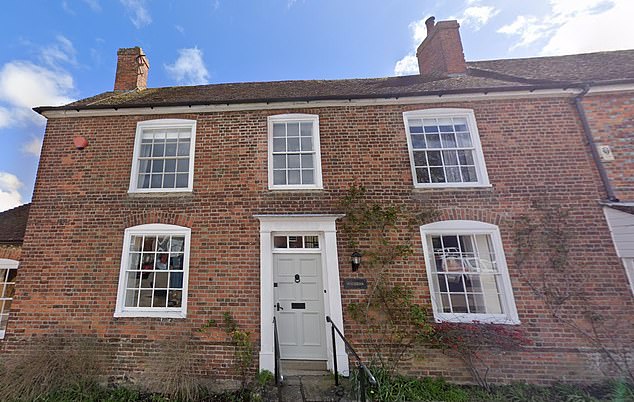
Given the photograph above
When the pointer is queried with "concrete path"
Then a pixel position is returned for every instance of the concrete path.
(311, 388)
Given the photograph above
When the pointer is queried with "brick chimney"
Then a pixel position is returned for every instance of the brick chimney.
(132, 69)
(441, 51)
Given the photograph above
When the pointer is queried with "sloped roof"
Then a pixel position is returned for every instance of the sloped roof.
(623, 208)
(489, 75)
(13, 224)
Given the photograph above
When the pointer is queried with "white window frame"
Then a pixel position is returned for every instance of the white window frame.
(292, 118)
(6, 264)
(480, 166)
(464, 227)
(154, 124)
(159, 312)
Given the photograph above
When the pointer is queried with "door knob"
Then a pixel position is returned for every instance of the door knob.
(279, 307)
(296, 278)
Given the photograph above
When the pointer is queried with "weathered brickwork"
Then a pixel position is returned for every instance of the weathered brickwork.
(534, 152)
(10, 252)
(611, 119)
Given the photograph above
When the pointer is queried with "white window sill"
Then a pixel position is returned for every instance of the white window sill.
(1, 334)
(295, 188)
(479, 318)
(452, 186)
(150, 314)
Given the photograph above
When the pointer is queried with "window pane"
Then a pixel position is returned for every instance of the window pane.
(433, 140)
(176, 280)
(169, 180)
(279, 144)
(307, 144)
(131, 298)
(279, 130)
(465, 157)
(149, 243)
(458, 303)
(437, 175)
(418, 142)
(293, 161)
(464, 139)
(182, 165)
(160, 279)
(307, 161)
(144, 166)
(453, 174)
(279, 177)
(415, 129)
(445, 125)
(311, 242)
(135, 243)
(158, 150)
(160, 298)
(434, 158)
(134, 262)
(145, 298)
(183, 148)
(293, 144)
(162, 261)
(163, 243)
(156, 181)
(174, 299)
(295, 241)
(182, 180)
(177, 243)
(134, 279)
(170, 165)
(147, 279)
(469, 174)
(144, 181)
(448, 140)
(170, 149)
(157, 166)
(420, 158)
(292, 130)
(146, 149)
(279, 241)
(279, 161)
(176, 262)
(308, 177)
(293, 177)
(306, 129)
(422, 175)
(450, 158)
(460, 124)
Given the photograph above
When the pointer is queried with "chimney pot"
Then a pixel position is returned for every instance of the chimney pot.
(429, 23)
(132, 69)
(441, 51)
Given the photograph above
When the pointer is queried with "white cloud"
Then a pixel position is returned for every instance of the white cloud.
(477, 16)
(33, 147)
(575, 27)
(24, 85)
(189, 68)
(139, 15)
(9, 195)
(5, 117)
(408, 65)
(93, 4)
(61, 51)
(180, 29)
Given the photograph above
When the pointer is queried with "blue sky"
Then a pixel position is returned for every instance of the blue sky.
(57, 51)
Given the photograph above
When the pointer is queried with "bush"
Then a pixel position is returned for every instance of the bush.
(49, 364)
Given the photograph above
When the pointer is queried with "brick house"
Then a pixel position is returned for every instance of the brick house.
(187, 202)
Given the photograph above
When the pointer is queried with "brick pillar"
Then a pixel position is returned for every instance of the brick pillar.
(132, 69)
(441, 51)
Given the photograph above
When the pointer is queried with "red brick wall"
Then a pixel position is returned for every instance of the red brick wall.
(611, 119)
(534, 151)
(10, 252)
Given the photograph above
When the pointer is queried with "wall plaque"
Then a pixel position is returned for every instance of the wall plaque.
(355, 283)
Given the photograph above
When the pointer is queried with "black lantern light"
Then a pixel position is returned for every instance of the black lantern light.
(355, 260)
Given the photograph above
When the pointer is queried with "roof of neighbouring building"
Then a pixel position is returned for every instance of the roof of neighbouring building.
(13, 224)
(623, 208)
(491, 75)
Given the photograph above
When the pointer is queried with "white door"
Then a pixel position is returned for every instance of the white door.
(299, 306)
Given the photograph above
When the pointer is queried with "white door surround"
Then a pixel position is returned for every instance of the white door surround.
(324, 226)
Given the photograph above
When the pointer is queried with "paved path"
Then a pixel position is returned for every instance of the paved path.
(310, 388)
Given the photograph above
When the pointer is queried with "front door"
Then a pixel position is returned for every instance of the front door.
(299, 306)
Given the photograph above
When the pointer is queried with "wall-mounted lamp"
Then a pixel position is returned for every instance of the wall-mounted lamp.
(80, 142)
(355, 260)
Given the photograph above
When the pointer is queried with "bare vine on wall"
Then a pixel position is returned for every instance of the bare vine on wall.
(542, 258)
(392, 318)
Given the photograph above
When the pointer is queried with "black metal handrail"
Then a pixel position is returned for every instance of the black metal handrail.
(278, 372)
(364, 372)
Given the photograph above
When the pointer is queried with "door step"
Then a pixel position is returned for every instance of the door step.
(303, 367)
